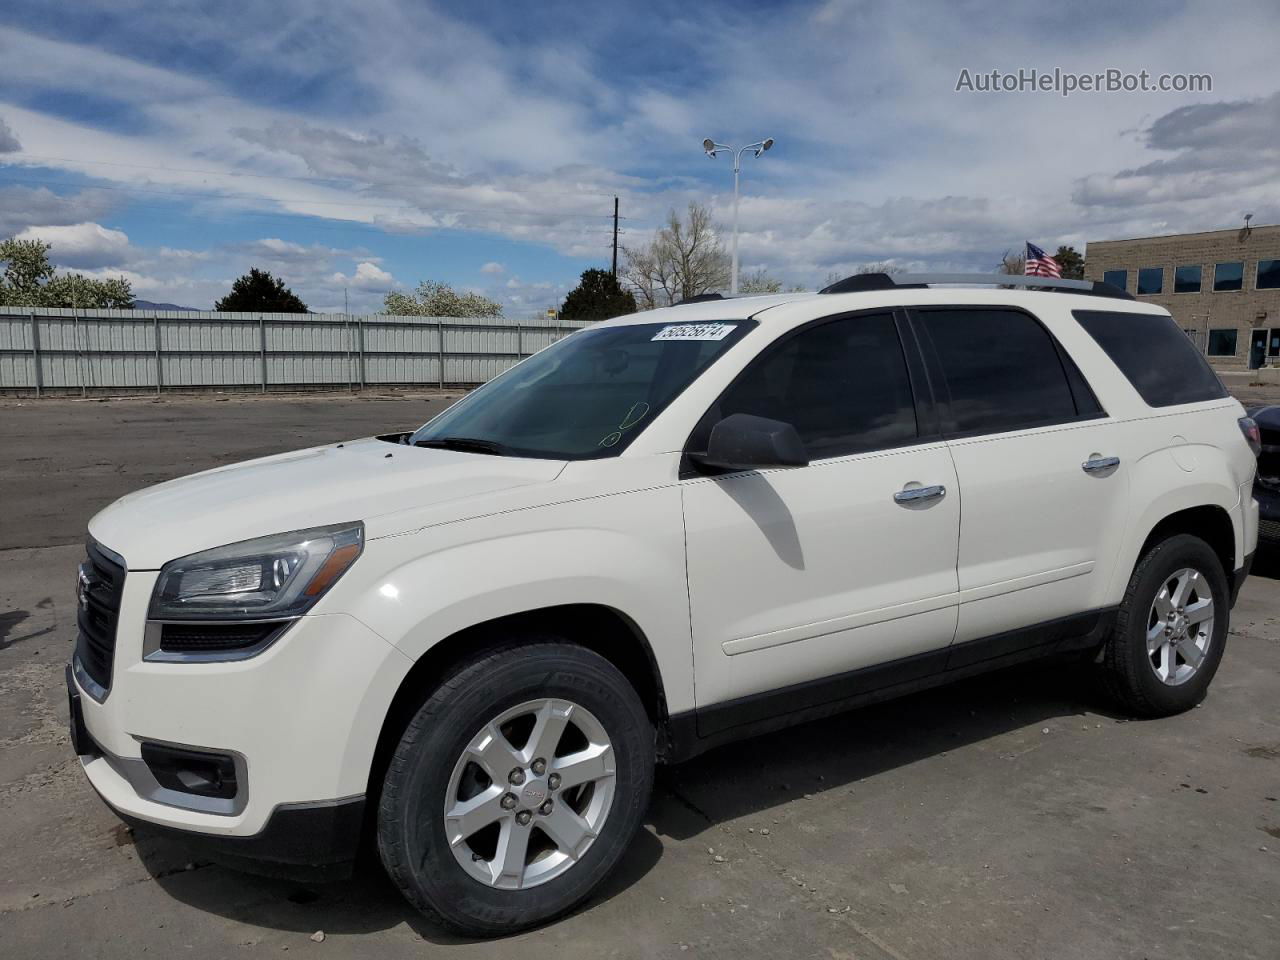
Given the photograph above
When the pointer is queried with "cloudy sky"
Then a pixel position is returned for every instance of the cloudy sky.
(370, 145)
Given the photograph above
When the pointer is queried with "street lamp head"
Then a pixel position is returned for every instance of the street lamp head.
(765, 145)
(709, 147)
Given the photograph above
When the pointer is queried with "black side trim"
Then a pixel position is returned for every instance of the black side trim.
(692, 732)
(1050, 633)
(316, 841)
(1238, 577)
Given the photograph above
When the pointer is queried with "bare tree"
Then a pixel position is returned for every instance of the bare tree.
(879, 266)
(1012, 263)
(759, 281)
(684, 259)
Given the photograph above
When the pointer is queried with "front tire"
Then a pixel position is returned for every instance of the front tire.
(516, 788)
(1171, 630)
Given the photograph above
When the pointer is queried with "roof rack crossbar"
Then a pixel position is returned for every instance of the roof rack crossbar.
(883, 281)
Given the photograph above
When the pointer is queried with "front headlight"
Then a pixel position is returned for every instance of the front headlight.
(271, 578)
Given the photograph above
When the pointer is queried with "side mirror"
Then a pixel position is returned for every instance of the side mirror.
(744, 442)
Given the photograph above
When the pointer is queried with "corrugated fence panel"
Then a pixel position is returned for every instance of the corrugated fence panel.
(17, 359)
(65, 350)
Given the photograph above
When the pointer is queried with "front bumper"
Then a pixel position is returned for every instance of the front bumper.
(299, 722)
(318, 841)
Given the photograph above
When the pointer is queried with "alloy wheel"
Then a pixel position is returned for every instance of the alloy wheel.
(529, 794)
(1180, 626)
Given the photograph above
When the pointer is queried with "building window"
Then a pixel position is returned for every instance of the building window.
(1222, 343)
(1117, 278)
(1187, 279)
(1268, 275)
(1228, 276)
(1150, 280)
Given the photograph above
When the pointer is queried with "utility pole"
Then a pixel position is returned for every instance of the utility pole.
(615, 238)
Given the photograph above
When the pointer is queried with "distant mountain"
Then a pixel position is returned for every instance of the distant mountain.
(151, 305)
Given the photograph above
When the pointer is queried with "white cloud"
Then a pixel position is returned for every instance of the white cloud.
(368, 277)
(876, 158)
(8, 141)
(82, 244)
(22, 207)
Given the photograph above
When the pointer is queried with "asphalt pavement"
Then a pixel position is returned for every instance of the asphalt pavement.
(1013, 816)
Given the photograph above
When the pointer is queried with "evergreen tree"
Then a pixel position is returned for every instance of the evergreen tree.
(598, 296)
(259, 292)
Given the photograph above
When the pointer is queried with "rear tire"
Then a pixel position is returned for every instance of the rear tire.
(1171, 629)
(516, 788)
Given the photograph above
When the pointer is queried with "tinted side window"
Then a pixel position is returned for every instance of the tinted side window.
(1002, 370)
(1159, 359)
(843, 385)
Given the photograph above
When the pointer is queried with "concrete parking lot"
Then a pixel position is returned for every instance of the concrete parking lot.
(1013, 816)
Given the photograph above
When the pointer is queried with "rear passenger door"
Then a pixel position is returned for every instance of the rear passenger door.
(1042, 502)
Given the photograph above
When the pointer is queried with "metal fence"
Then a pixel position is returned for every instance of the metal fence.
(61, 351)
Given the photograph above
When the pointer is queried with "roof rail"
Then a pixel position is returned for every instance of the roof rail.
(863, 282)
(699, 298)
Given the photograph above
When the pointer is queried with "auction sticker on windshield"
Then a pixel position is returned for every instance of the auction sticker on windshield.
(695, 331)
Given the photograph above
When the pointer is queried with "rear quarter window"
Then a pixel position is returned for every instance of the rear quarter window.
(1160, 360)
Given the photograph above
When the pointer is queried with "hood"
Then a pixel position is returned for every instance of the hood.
(358, 480)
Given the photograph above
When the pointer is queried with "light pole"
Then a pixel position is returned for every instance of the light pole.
(711, 148)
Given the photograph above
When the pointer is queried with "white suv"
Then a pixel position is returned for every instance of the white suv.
(664, 532)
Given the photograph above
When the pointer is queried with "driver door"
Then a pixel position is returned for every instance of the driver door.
(810, 580)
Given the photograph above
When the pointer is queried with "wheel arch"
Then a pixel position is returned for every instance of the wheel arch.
(597, 627)
(1209, 522)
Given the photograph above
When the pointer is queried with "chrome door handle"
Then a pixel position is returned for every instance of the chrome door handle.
(920, 494)
(1099, 463)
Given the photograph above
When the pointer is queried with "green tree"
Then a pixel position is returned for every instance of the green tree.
(259, 292)
(29, 280)
(1070, 262)
(436, 299)
(598, 296)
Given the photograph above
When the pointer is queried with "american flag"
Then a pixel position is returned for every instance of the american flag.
(1040, 264)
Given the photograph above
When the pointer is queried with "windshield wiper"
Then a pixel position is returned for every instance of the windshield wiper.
(467, 444)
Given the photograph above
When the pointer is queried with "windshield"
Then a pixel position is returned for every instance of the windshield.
(588, 395)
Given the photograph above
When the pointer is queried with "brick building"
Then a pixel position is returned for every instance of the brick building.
(1222, 287)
